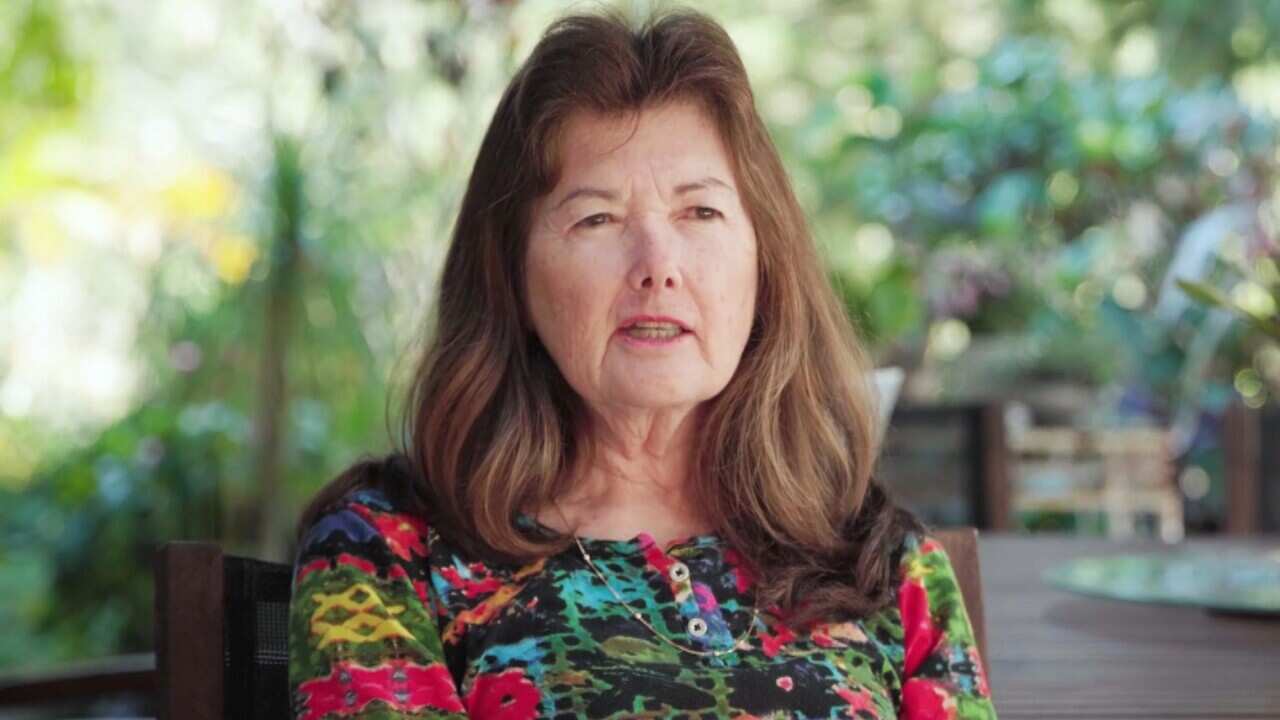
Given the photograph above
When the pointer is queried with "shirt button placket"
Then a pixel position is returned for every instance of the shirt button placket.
(679, 572)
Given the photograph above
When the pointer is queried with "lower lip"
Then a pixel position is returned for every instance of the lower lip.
(653, 342)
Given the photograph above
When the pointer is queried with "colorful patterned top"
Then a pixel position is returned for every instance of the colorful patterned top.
(388, 621)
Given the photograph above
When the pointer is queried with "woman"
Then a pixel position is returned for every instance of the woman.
(638, 454)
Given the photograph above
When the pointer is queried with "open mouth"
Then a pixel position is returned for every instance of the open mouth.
(653, 331)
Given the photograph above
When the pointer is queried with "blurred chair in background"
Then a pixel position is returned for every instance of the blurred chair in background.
(948, 463)
(1117, 475)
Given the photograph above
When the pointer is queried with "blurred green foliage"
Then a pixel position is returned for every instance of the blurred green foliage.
(1000, 188)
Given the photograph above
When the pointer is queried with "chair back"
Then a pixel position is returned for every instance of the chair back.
(221, 634)
(961, 544)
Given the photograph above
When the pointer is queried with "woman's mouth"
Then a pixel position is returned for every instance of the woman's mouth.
(652, 333)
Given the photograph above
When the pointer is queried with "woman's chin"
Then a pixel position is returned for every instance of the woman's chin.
(656, 397)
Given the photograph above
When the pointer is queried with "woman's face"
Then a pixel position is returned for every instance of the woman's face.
(645, 222)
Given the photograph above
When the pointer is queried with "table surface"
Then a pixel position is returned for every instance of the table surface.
(1054, 654)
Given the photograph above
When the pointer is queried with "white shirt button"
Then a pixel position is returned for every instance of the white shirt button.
(679, 572)
(697, 627)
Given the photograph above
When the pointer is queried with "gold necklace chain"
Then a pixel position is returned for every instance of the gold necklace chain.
(637, 615)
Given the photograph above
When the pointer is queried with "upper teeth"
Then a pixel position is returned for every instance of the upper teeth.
(656, 326)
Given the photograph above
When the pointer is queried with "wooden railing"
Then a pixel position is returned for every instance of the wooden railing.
(121, 675)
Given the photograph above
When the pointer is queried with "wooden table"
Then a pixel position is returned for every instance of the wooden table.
(1055, 654)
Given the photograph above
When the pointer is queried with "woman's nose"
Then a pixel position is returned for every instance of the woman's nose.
(655, 261)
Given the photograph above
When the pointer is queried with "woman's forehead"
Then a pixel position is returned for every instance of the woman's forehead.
(673, 139)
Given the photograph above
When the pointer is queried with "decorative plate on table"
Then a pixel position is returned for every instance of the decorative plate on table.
(1230, 581)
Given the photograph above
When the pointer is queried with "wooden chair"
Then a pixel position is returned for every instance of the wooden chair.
(221, 634)
(222, 628)
(961, 544)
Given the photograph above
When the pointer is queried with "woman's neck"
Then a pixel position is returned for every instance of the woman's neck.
(635, 478)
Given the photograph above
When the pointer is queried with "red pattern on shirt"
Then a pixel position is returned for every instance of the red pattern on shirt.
(401, 684)
(405, 534)
(507, 695)
(919, 635)
(925, 699)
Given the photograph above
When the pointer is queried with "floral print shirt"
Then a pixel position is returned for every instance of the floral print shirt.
(388, 621)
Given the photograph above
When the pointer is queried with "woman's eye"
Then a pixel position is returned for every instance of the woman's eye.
(594, 220)
(706, 213)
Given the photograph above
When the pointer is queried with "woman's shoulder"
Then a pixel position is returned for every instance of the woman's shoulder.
(923, 563)
(929, 594)
(368, 516)
(920, 542)
(925, 584)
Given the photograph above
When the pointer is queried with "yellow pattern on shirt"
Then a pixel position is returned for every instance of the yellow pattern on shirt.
(364, 623)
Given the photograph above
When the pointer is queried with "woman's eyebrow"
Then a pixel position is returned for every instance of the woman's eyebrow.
(703, 184)
(587, 192)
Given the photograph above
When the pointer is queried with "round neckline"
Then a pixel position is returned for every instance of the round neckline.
(636, 543)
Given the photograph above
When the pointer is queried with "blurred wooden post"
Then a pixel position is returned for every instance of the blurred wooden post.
(1242, 455)
(188, 606)
(992, 471)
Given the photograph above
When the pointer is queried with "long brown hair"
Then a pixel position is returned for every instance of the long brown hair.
(784, 466)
